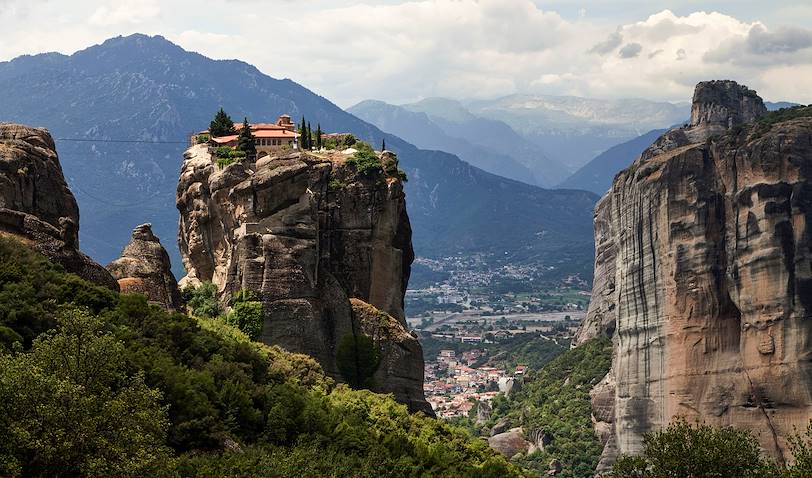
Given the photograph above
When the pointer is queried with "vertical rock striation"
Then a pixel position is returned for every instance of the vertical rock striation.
(306, 232)
(144, 268)
(702, 276)
(36, 205)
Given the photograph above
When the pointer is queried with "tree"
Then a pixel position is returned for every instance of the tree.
(221, 125)
(247, 313)
(698, 451)
(71, 408)
(304, 137)
(383, 144)
(318, 137)
(245, 141)
(309, 136)
(202, 300)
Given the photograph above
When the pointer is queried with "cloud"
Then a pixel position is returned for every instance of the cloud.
(125, 11)
(762, 46)
(612, 41)
(630, 50)
(401, 51)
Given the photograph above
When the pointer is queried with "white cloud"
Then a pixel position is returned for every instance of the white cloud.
(402, 51)
(125, 11)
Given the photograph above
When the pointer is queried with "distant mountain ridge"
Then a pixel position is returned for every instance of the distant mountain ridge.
(419, 129)
(141, 88)
(597, 175)
(573, 130)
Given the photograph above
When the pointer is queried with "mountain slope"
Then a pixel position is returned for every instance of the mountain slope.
(457, 121)
(573, 130)
(149, 89)
(418, 129)
(597, 175)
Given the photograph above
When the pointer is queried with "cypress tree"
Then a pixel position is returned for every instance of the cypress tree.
(383, 145)
(246, 142)
(318, 136)
(302, 133)
(309, 136)
(221, 125)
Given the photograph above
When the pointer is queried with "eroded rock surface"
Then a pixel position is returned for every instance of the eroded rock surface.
(305, 232)
(703, 277)
(510, 443)
(36, 205)
(144, 268)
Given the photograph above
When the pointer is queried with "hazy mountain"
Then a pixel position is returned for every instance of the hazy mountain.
(419, 130)
(458, 122)
(597, 175)
(141, 88)
(574, 130)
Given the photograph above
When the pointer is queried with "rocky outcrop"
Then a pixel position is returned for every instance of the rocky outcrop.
(401, 367)
(144, 268)
(306, 232)
(36, 205)
(703, 277)
(510, 443)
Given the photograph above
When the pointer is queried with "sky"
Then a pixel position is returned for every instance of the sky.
(403, 51)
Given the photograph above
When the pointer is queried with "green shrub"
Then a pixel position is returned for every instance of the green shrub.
(247, 314)
(236, 154)
(365, 161)
(202, 138)
(223, 162)
(223, 151)
(358, 358)
(202, 300)
(698, 451)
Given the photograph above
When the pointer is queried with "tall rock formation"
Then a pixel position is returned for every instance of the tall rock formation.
(36, 205)
(306, 233)
(144, 268)
(703, 276)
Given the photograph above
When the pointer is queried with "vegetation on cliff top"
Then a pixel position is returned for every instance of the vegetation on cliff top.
(97, 384)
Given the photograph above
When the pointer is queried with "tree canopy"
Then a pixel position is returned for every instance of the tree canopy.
(222, 125)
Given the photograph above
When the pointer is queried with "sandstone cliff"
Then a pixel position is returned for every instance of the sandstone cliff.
(36, 205)
(306, 232)
(144, 268)
(702, 275)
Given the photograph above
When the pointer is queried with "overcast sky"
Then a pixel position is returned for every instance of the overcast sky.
(402, 51)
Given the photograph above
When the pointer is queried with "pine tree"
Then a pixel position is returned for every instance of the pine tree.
(309, 137)
(246, 142)
(221, 125)
(303, 134)
(383, 145)
(318, 136)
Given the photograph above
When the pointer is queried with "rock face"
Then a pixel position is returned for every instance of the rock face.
(306, 233)
(703, 256)
(36, 205)
(144, 268)
(510, 443)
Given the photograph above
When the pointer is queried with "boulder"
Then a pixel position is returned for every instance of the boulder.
(144, 268)
(510, 443)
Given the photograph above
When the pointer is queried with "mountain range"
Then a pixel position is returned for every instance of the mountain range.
(541, 140)
(122, 113)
